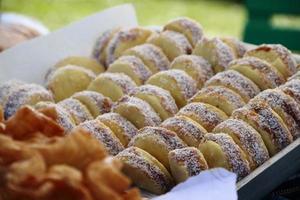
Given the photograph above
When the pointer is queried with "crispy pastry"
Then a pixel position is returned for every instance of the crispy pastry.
(292, 88)
(238, 47)
(195, 66)
(186, 162)
(177, 82)
(112, 85)
(6, 88)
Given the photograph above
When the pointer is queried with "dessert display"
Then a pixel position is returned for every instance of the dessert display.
(195, 66)
(220, 97)
(166, 105)
(186, 162)
(177, 82)
(112, 85)
(131, 66)
(216, 52)
(159, 99)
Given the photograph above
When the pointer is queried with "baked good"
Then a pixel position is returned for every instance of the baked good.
(159, 99)
(247, 138)
(236, 82)
(99, 50)
(66, 81)
(195, 66)
(216, 52)
(295, 76)
(95, 102)
(206, 115)
(81, 61)
(77, 110)
(131, 66)
(112, 85)
(64, 118)
(172, 43)
(221, 97)
(177, 82)
(120, 126)
(125, 39)
(187, 129)
(102, 133)
(186, 162)
(292, 88)
(191, 29)
(151, 55)
(158, 142)
(278, 56)
(264, 75)
(27, 94)
(6, 88)
(285, 106)
(267, 123)
(137, 111)
(237, 46)
(145, 171)
(220, 150)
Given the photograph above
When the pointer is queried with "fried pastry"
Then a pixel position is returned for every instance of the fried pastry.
(285, 106)
(191, 29)
(264, 75)
(220, 150)
(81, 61)
(216, 52)
(112, 85)
(27, 94)
(137, 111)
(99, 50)
(131, 66)
(247, 138)
(187, 129)
(238, 47)
(77, 110)
(64, 118)
(236, 82)
(120, 126)
(159, 99)
(177, 82)
(145, 171)
(66, 81)
(172, 43)
(292, 88)
(221, 97)
(206, 115)
(6, 88)
(186, 162)
(104, 135)
(125, 39)
(95, 102)
(158, 142)
(295, 76)
(151, 55)
(195, 66)
(267, 123)
(278, 56)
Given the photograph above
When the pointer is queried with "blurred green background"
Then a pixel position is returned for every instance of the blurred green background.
(217, 17)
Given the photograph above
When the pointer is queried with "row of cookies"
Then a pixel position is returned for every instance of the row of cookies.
(238, 146)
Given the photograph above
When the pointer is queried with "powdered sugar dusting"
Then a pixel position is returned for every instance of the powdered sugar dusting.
(127, 127)
(238, 164)
(151, 118)
(165, 97)
(235, 81)
(292, 88)
(77, 110)
(295, 76)
(250, 140)
(6, 88)
(131, 156)
(104, 135)
(190, 158)
(179, 40)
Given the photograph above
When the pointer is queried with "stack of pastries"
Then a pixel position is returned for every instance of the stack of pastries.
(172, 103)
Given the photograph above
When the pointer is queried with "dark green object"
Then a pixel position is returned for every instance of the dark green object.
(259, 28)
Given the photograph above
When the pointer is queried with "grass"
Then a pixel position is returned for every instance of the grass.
(217, 17)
